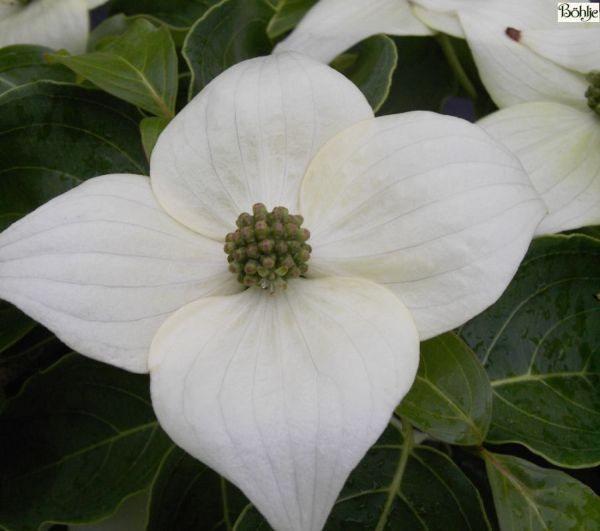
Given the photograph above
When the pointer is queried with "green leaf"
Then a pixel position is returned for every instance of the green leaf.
(423, 81)
(592, 231)
(372, 70)
(229, 32)
(176, 13)
(288, 14)
(108, 30)
(188, 495)
(540, 344)
(150, 129)
(24, 64)
(398, 486)
(460, 59)
(77, 441)
(139, 66)
(35, 351)
(15, 325)
(530, 498)
(54, 136)
(451, 398)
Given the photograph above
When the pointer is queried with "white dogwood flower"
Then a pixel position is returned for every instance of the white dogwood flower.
(332, 26)
(52, 23)
(523, 55)
(559, 146)
(417, 223)
(522, 52)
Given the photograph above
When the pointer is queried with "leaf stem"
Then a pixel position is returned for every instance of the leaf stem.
(225, 501)
(407, 445)
(456, 65)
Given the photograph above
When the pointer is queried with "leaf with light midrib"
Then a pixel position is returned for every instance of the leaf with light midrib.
(394, 486)
(451, 398)
(56, 135)
(78, 440)
(531, 498)
(540, 344)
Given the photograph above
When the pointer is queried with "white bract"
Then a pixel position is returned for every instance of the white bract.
(418, 223)
(536, 59)
(53, 23)
(523, 55)
(559, 146)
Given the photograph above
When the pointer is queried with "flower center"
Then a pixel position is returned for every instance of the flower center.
(593, 92)
(268, 248)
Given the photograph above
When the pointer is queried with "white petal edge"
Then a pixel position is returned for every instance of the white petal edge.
(559, 147)
(283, 394)
(248, 137)
(440, 21)
(511, 72)
(333, 26)
(103, 266)
(428, 205)
(52, 23)
(577, 48)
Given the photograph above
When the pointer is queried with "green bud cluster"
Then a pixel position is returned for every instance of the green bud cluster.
(268, 248)
(593, 92)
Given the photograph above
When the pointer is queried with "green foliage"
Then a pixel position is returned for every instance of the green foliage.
(230, 32)
(461, 60)
(56, 135)
(80, 438)
(530, 498)
(77, 441)
(370, 67)
(400, 486)
(36, 350)
(451, 398)
(188, 495)
(539, 344)
(107, 30)
(288, 14)
(15, 324)
(423, 79)
(139, 66)
(150, 129)
(175, 13)
(24, 64)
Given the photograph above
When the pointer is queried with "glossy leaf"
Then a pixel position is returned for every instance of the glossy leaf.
(423, 79)
(54, 136)
(188, 495)
(230, 32)
(592, 231)
(36, 350)
(22, 64)
(175, 13)
(108, 30)
(288, 14)
(539, 344)
(77, 441)
(451, 398)
(530, 498)
(427, 492)
(15, 324)
(139, 66)
(151, 128)
(371, 71)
